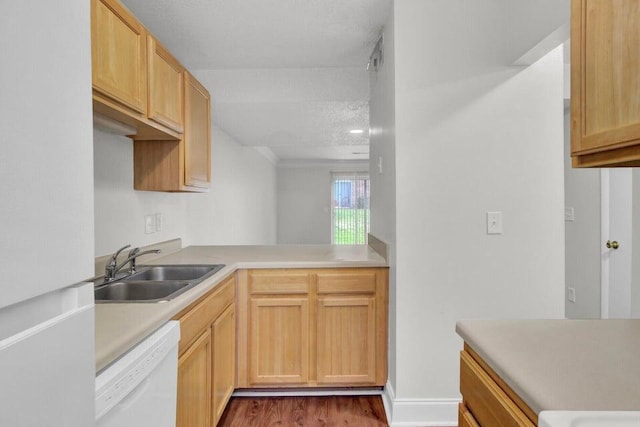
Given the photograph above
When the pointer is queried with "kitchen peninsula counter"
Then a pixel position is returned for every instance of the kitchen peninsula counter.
(120, 326)
(562, 364)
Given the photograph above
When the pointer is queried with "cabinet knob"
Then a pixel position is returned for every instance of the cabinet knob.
(612, 244)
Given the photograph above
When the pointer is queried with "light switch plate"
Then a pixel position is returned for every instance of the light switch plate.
(494, 222)
(149, 224)
(568, 214)
(159, 221)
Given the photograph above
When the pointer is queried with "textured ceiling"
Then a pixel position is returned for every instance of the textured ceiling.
(285, 74)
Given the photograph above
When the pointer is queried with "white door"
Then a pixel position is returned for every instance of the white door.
(616, 231)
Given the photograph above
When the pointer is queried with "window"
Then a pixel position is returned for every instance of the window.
(350, 208)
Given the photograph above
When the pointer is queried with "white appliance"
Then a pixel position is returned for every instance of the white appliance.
(47, 356)
(589, 419)
(47, 363)
(139, 389)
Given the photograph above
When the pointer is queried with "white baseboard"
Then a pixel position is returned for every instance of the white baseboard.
(419, 412)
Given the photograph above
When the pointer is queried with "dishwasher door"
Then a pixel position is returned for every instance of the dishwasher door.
(139, 389)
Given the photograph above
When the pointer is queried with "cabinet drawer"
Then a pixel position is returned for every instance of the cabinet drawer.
(488, 403)
(354, 282)
(200, 317)
(465, 418)
(278, 282)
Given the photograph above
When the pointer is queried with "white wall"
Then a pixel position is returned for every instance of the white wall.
(45, 163)
(635, 243)
(529, 22)
(383, 184)
(582, 236)
(119, 209)
(304, 200)
(239, 209)
(472, 135)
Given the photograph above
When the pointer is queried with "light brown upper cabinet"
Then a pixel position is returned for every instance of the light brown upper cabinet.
(197, 134)
(183, 165)
(166, 87)
(605, 83)
(136, 81)
(119, 55)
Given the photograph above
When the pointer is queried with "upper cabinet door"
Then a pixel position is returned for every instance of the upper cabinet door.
(119, 54)
(166, 87)
(197, 134)
(605, 82)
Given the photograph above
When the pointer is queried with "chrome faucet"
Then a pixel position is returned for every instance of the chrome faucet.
(113, 267)
(133, 256)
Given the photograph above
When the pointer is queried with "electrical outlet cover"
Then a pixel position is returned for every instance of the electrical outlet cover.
(494, 222)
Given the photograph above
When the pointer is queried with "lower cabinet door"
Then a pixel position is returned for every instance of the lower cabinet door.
(194, 384)
(346, 334)
(279, 341)
(224, 360)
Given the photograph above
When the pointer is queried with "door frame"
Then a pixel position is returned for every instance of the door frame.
(605, 228)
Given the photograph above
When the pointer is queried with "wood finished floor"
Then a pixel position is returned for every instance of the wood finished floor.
(304, 411)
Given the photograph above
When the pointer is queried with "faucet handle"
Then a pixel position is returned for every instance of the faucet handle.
(114, 257)
(110, 268)
(133, 252)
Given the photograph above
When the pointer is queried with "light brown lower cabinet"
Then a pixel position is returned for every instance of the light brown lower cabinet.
(281, 328)
(279, 340)
(194, 384)
(223, 382)
(312, 327)
(486, 400)
(206, 363)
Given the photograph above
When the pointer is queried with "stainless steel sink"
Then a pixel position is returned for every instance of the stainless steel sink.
(147, 291)
(175, 272)
(158, 283)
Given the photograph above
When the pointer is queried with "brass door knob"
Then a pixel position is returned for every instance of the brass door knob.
(612, 245)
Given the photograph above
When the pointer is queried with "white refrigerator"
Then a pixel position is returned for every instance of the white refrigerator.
(47, 362)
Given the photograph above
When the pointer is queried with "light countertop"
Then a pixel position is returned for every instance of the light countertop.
(120, 326)
(562, 364)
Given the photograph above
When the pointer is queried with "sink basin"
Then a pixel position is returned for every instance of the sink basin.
(175, 272)
(158, 283)
(138, 291)
(589, 419)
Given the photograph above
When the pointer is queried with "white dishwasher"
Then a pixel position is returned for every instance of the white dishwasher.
(139, 389)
